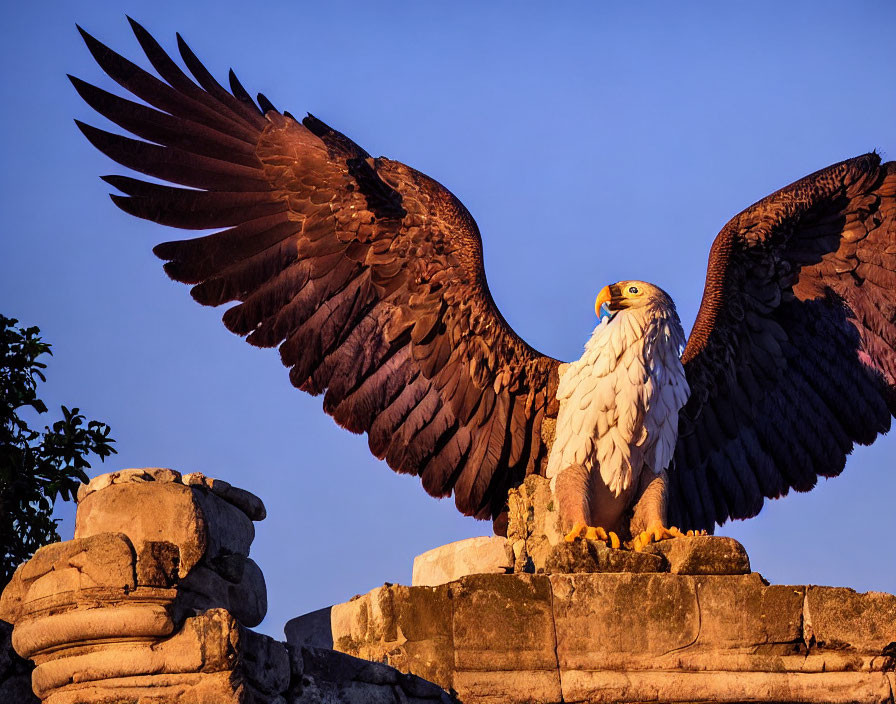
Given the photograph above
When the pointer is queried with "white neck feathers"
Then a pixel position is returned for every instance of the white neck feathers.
(619, 403)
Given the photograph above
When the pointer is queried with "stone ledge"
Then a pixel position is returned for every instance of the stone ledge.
(151, 603)
(624, 637)
(446, 563)
(535, 541)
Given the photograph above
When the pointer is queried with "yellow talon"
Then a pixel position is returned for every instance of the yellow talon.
(655, 532)
(614, 540)
(592, 533)
(574, 533)
(595, 533)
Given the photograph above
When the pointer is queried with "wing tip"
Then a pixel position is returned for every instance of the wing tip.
(265, 104)
(123, 202)
(93, 44)
(86, 129)
(143, 35)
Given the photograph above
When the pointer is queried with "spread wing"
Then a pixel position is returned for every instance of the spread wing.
(791, 360)
(365, 273)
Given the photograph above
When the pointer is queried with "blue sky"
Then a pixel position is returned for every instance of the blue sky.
(592, 142)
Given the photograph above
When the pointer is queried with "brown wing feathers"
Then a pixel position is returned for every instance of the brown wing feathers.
(367, 274)
(791, 361)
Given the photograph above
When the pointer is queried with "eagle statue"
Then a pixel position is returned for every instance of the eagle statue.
(368, 276)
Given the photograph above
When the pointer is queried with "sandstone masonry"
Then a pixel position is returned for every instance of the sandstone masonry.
(629, 637)
(153, 601)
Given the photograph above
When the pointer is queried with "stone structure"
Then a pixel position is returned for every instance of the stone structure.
(485, 555)
(629, 637)
(686, 621)
(152, 603)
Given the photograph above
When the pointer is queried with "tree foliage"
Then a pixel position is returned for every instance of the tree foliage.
(36, 467)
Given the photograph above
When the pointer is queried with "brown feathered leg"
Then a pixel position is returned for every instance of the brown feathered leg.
(648, 522)
(573, 491)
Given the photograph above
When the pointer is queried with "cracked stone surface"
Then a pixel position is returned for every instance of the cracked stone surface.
(628, 637)
(151, 603)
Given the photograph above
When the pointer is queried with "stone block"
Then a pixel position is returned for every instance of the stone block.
(147, 512)
(103, 560)
(608, 621)
(37, 634)
(230, 530)
(185, 688)
(617, 637)
(582, 556)
(331, 666)
(204, 517)
(210, 642)
(264, 661)
(703, 554)
(230, 567)
(533, 523)
(730, 687)
(157, 564)
(312, 630)
(204, 588)
(401, 626)
(743, 612)
(331, 676)
(503, 622)
(417, 689)
(245, 501)
(518, 686)
(532, 511)
(482, 555)
(840, 618)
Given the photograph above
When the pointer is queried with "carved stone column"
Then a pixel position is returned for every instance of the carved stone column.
(154, 596)
(152, 602)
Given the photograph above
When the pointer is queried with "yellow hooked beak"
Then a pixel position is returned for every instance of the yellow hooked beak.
(602, 297)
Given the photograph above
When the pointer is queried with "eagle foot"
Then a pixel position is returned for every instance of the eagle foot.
(655, 532)
(593, 533)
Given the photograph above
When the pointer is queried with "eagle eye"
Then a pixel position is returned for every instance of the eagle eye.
(633, 289)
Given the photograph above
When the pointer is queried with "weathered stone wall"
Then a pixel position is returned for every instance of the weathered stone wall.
(152, 603)
(629, 637)
(154, 599)
(684, 621)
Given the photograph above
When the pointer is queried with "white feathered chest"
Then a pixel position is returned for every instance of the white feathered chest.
(619, 403)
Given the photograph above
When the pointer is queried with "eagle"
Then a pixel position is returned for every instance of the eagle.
(368, 277)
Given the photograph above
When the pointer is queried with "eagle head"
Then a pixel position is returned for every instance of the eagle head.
(625, 295)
